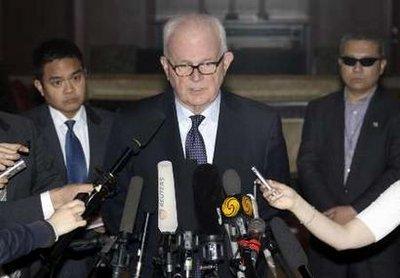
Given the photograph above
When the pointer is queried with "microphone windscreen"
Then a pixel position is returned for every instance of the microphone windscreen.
(231, 182)
(256, 226)
(167, 214)
(207, 195)
(131, 204)
(288, 244)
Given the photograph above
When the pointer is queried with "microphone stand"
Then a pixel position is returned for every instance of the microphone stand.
(141, 249)
(121, 257)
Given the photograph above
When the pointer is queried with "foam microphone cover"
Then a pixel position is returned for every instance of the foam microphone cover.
(167, 213)
(131, 204)
(207, 195)
(288, 244)
(231, 182)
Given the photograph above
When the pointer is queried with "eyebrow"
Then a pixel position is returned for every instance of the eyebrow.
(72, 74)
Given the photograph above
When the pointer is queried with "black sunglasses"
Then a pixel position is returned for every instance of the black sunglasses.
(365, 62)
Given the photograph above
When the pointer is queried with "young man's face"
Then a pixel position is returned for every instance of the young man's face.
(63, 85)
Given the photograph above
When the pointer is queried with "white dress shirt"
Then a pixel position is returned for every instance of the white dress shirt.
(383, 215)
(207, 128)
(81, 131)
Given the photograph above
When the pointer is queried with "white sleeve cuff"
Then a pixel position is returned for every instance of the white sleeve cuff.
(47, 205)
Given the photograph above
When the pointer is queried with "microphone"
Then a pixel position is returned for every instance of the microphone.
(290, 247)
(167, 214)
(121, 257)
(237, 210)
(13, 170)
(208, 195)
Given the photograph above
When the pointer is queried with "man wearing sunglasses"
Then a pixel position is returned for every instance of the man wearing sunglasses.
(203, 125)
(349, 154)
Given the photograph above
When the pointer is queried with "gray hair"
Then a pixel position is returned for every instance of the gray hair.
(362, 37)
(200, 20)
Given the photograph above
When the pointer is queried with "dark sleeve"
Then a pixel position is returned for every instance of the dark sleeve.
(391, 173)
(45, 175)
(18, 239)
(311, 181)
(25, 210)
(276, 165)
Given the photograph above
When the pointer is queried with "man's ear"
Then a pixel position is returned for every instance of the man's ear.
(39, 86)
(383, 63)
(228, 58)
(164, 63)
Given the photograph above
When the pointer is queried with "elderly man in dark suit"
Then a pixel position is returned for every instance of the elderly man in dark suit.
(202, 125)
(349, 154)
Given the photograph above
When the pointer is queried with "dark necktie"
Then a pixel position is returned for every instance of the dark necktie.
(194, 145)
(75, 157)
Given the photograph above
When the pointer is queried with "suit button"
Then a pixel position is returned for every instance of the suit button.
(346, 191)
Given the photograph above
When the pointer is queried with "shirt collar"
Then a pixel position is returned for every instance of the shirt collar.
(60, 119)
(365, 99)
(211, 113)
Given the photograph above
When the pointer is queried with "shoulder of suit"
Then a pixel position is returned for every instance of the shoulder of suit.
(13, 120)
(144, 106)
(244, 104)
(99, 112)
(328, 98)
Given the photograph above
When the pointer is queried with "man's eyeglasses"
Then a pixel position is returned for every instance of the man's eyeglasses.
(365, 62)
(76, 78)
(206, 68)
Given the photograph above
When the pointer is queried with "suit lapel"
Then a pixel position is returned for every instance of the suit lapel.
(227, 142)
(336, 138)
(366, 139)
(97, 134)
(50, 133)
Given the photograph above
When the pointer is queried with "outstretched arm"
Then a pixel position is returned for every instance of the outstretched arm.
(354, 234)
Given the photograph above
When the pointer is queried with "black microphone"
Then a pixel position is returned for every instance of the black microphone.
(208, 195)
(121, 258)
(290, 247)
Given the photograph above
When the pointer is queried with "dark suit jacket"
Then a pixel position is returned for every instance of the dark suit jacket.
(376, 161)
(249, 133)
(99, 125)
(39, 175)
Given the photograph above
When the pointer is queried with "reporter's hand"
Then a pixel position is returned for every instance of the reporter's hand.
(281, 196)
(9, 154)
(60, 196)
(68, 217)
(3, 182)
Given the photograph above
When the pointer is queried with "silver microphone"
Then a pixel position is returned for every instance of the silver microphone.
(13, 170)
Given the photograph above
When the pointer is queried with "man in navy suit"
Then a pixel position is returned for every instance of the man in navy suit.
(202, 125)
(74, 133)
(349, 155)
